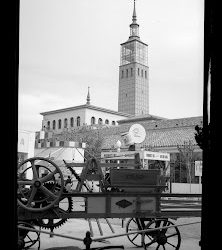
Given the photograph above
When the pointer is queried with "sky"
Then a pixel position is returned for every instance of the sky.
(66, 46)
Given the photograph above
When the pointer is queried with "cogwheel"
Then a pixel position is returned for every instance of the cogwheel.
(55, 223)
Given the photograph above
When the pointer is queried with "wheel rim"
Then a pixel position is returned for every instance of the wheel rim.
(29, 238)
(31, 190)
(135, 224)
(169, 237)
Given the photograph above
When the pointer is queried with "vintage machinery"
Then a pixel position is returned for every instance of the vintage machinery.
(124, 191)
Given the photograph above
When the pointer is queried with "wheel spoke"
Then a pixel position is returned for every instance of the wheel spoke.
(164, 247)
(46, 191)
(29, 241)
(151, 238)
(134, 221)
(49, 176)
(171, 244)
(171, 235)
(165, 223)
(35, 172)
(135, 237)
(29, 238)
(158, 247)
(32, 196)
(25, 182)
(150, 243)
(61, 210)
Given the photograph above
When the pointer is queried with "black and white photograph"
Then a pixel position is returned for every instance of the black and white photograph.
(112, 106)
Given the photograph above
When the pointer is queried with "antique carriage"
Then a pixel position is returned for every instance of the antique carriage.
(125, 190)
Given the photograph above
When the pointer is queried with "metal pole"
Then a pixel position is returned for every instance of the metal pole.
(45, 232)
(144, 231)
(111, 236)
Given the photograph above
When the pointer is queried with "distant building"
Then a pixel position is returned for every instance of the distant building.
(162, 134)
(134, 73)
(133, 92)
(72, 118)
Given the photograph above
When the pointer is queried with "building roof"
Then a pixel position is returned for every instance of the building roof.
(159, 133)
(141, 118)
(86, 106)
(170, 137)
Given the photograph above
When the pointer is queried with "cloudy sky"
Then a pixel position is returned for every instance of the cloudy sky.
(67, 45)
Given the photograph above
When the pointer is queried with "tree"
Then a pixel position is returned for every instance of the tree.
(199, 136)
(186, 153)
(202, 136)
(94, 141)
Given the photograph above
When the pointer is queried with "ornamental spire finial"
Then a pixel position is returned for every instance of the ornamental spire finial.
(88, 97)
(134, 12)
(134, 26)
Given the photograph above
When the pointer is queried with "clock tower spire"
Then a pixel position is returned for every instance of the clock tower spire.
(134, 26)
(134, 73)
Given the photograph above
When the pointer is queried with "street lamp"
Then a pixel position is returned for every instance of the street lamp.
(118, 145)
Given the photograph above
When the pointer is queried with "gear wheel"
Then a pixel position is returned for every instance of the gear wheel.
(55, 223)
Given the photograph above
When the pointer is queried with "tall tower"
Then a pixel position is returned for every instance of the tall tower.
(134, 73)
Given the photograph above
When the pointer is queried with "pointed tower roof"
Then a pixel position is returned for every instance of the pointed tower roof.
(134, 13)
(88, 97)
(134, 26)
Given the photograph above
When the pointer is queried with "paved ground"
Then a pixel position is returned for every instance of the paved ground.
(190, 235)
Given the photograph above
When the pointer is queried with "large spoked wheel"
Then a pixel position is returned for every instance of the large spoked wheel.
(65, 206)
(134, 225)
(26, 238)
(168, 238)
(32, 193)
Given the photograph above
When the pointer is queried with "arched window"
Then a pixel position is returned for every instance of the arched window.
(122, 73)
(142, 72)
(65, 123)
(106, 121)
(113, 123)
(93, 120)
(138, 71)
(100, 121)
(48, 125)
(78, 121)
(145, 74)
(71, 122)
(126, 72)
(131, 71)
(60, 124)
(53, 124)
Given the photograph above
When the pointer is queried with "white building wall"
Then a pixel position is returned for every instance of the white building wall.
(26, 143)
(103, 115)
(26, 147)
(62, 116)
(186, 188)
(85, 115)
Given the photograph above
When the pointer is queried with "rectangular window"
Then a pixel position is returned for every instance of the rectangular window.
(122, 73)
(131, 71)
(142, 72)
(145, 74)
(126, 72)
(138, 71)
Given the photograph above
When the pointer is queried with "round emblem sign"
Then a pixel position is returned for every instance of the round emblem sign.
(138, 133)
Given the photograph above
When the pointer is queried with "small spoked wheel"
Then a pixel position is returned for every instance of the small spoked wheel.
(168, 238)
(32, 191)
(134, 225)
(26, 238)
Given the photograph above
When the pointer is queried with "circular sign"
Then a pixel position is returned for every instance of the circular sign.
(138, 133)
